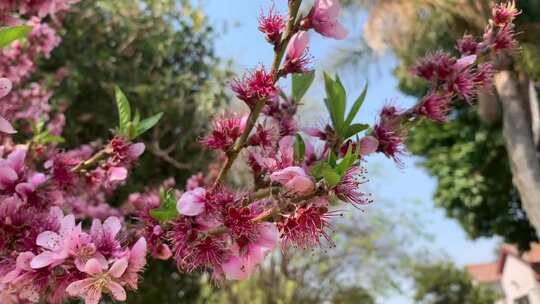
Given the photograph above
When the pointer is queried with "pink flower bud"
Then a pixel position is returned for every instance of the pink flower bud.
(5, 87)
(297, 45)
(294, 179)
(368, 145)
(192, 202)
(324, 19)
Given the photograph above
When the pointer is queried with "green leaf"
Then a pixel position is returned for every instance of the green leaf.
(124, 111)
(301, 84)
(10, 34)
(299, 148)
(335, 101)
(331, 177)
(348, 160)
(324, 170)
(356, 106)
(167, 210)
(355, 129)
(332, 159)
(147, 124)
(341, 99)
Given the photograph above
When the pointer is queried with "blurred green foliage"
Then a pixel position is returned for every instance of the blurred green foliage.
(161, 54)
(443, 283)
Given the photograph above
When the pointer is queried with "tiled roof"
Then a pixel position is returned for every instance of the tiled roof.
(491, 272)
(485, 273)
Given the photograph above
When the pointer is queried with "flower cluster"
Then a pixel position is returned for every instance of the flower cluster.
(48, 253)
(452, 78)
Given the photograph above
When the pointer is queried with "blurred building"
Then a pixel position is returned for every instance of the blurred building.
(515, 275)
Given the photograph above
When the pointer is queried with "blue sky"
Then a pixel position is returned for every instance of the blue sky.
(408, 190)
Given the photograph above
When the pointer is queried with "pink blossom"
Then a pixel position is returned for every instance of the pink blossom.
(435, 107)
(5, 88)
(307, 225)
(100, 280)
(324, 19)
(272, 25)
(56, 245)
(294, 179)
(391, 143)
(225, 133)
(192, 202)
(254, 86)
(348, 188)
(296, 58)
(136, 261)
(242, 264)
(504, 13)
(104, 235)
(467, 45)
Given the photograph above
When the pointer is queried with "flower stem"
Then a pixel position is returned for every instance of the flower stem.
(294, 6)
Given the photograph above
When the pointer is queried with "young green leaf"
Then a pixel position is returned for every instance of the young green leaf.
(356, 106)
(167, 210)
(348, 160)
(332, 159)
(10, 34)
(301, 84)
(147, 123)
(299, 148)
(341, 99)
(355, 129)
(336, 99)
(124, 111)
(324, 170)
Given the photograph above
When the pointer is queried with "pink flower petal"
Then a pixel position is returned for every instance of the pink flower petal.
(163, 252)
(16, 159)
(42, 260)
(117, 174)
(5, 87)
(112, 226)
(137, 256)
(48, 240)
(7, 177)
(118, 268)
(118, 292)
(67, 225)
(297, 45)
(93, 266)
(368, 145)
(268, 235)
(6, 127)
(136, 150)
(80, 287)
(235, 269)
(191, 203)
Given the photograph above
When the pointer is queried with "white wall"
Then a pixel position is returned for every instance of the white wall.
(518, 279)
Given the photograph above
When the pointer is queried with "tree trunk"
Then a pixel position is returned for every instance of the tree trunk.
(517, 130)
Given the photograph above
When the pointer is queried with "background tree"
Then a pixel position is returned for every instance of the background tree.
(470, 155)
(443, 283)
(161, 54)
